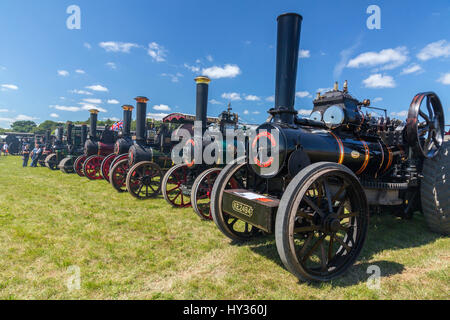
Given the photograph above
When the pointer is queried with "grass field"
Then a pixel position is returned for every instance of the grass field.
(129, 249)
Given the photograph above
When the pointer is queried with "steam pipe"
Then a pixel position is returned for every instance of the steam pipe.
(202, 100)
(141, 110)
(127, 111)
(288, 41)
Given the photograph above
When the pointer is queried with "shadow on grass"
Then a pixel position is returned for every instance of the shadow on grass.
(385, 233)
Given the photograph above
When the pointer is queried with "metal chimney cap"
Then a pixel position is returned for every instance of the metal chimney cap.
(202, 79)
(290, 14)
(127, 107)
(94, 111)
(141, 99)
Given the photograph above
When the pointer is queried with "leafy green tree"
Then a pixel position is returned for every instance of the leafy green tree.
(47, 124)
(23, 126)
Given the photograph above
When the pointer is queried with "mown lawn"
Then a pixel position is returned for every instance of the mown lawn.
(129, 249)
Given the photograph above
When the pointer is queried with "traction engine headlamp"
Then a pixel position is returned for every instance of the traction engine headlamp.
(334, 116)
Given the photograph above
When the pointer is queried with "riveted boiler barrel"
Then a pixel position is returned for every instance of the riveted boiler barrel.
(139, 152)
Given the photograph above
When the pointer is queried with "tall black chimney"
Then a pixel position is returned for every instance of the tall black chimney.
(47, 136)
(288, 40)
(202, 100)
(141, 110)
(93, 123)
(69, 132)
(127, 111)
(83, 134)
(59, 137)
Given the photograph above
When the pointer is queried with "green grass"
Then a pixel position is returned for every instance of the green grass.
(130, 249)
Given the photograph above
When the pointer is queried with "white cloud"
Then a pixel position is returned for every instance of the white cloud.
(113, 101)
(22, 117)
(345, 56)
(246, 112)
(90, 106)
(378, 99)
(302, 94)
(54, 115)
(214, 101)
(93, 101)
(80, 71)
(270, 99)
(97, 87)
(256, 112)
(161, 107)
(111, 118)
(323, 90)
(65, 108)
(228, 71)
(233, 96)
(445, 79)
(386, 58)
(2, 68)
(379, 81)
(403, 113)
(251, 97)
(157, 116)
(87, 93)
(157, 52)
(87, 45)
(436, 49)
(63, 73)
(111, 65)
(173, 77)
(304, 112)
(4, 110)
(413, 68)
(5, 87)
(194, 69)
(304, 54)
(113, 46)
(209, 58)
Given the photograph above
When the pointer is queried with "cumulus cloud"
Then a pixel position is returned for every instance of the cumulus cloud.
(323, 90)
(5, 87)
(378, 81)
(302, 94)
(233, 96)
(304, 54)
(445, 79)
(93, 101)
(54, 115)
(378, 99)
(246, 112)
(214, 101)
(401, 114)
(256, 112)
(386, 59)
(80, 71)
(157, 52)
(111, 65)
(90, 106)
(65, 108)
(22, 117)
(194, 69)
(113, 46)
(251, 97)
(270, 99)
(113, 101)
(413, 68)
(63, 73)
(87, 93)
(304, 112)
(436, 49)
(97, 87)
(4, 110)
(161, 107)
(228, 71)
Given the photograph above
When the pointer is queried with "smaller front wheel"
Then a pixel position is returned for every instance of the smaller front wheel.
(91, 167)
(144, 180)
(78, 165)
(118, 175)
(50, 161)
(175, 188)
(106, 165)
(201, 193)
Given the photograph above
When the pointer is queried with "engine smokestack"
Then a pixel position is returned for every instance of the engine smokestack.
(59, 136)
(47, 136)
(127, 111)
(288, 40)
(83, 134)
(69, 133)
(93, 123)
(141, 110)
(202, 100)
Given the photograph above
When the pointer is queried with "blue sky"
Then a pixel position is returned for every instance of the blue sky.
(153, 48)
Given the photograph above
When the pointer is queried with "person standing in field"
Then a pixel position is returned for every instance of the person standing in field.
(35, 156)
(25, 154)
(5, 149)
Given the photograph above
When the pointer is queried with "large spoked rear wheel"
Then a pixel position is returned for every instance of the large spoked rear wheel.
(322, 222)
(201, 192)
(118, 175)
(51, 161)
(78, 165)
(91, 167)
(435, 193)
(175, 187)
(144, 180)
(106, 165)
(233, 176)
